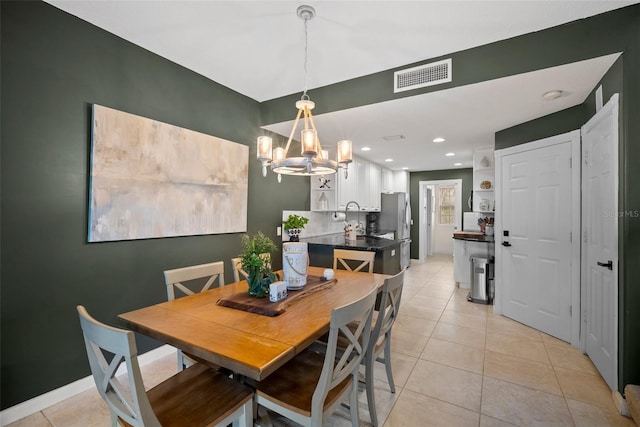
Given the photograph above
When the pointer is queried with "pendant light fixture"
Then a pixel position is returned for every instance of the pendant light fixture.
(313, 160)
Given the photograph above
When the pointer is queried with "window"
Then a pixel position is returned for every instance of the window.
(447, 206)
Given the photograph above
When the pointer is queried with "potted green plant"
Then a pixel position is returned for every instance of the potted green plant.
(256, 264)
(293, 225)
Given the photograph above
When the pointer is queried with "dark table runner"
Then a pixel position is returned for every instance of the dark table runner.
(244, 301)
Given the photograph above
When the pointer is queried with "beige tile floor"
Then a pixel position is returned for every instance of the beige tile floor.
(455, 364)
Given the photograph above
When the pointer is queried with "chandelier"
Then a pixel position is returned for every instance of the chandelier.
(313, 160)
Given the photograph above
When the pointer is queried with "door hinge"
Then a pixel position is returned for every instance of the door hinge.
(571, 237)
(570, 311)
(570, 162)
(584, 236)
(586, 157)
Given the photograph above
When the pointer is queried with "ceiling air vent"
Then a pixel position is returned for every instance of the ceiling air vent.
(423, 75)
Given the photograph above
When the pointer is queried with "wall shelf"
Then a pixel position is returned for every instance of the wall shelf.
(483, 170)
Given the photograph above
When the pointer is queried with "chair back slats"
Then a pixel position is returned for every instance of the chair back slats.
(342, 256)
(130, 404)
(334, 373)
(174, 278)
(389, 306)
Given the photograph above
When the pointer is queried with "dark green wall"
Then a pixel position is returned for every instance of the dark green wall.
(552, 124)
(54, 66)
(466, 175)
(575, 41)
(565, 120)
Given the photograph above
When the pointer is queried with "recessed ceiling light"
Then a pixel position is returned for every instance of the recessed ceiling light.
(439, 140)
(405, 168)
(388, 160)
(450, 154)
(551, 95)
(457, 164)
(366, 148)
(392, 137)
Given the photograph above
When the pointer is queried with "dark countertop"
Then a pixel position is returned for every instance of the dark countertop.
(486, 239)
(362, 243)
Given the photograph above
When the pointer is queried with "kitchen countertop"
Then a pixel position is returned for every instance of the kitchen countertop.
(362, 243)
(485, 239)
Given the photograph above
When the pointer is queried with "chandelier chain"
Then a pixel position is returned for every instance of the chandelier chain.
(306, 42)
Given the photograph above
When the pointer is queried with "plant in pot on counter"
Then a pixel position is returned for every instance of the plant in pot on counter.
(255, 259)
(294, 225)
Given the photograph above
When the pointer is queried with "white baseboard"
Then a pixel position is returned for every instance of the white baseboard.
(620, 404)
(53, 397)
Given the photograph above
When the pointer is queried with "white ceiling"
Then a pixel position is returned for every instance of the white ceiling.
(257, 48)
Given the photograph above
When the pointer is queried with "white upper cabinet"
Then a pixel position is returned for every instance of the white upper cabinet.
(347, 187)
(363, 186)
(387, 180)
(362, 193)
(375, 181)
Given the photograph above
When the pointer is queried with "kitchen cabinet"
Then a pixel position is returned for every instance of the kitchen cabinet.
(401, 182)
(387, 180)
(483, 180)
(375, 180)
(462, 251)
(324, 192)
(363, 186)
(362, 196)
(347, 187)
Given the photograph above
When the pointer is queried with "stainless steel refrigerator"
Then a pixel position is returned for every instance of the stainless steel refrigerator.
(395, 214)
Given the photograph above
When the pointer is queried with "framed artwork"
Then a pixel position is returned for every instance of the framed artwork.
(151, 179)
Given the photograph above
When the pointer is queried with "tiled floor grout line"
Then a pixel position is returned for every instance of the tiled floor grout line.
(555, 374)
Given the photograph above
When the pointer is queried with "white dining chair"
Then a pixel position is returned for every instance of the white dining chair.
(380, 341)
(196, 396)
(308, 388)
(176, 280)
(341, 258)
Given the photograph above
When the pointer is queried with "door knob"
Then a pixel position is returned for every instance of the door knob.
(608, 264)
(506, 244)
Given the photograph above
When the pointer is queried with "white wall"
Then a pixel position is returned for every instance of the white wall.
(320, 223)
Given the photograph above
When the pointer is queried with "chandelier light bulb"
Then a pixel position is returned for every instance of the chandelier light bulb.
(344, 151)
(309, 140)
(279, 154)
(264, 147)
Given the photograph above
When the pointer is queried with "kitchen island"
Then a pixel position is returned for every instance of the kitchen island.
(387, 259)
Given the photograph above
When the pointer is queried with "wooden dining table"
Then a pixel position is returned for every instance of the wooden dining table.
(249, 344)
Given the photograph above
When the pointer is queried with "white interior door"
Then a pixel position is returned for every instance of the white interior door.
(536, 211)
(440, 239)
(429, 217)
(600, 239)
(448, 214)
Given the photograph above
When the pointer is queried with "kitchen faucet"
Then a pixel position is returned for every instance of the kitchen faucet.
(346, 212)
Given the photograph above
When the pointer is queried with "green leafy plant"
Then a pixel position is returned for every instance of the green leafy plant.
(255, 259)
(295, 221)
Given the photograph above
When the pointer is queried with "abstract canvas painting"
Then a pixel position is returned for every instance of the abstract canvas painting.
(151, 179)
